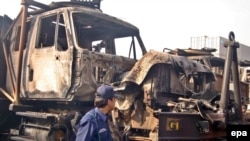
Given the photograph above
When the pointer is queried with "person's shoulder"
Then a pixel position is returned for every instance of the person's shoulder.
(91, 114)
(88, 117)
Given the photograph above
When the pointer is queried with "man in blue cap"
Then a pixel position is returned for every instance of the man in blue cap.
(94, 124)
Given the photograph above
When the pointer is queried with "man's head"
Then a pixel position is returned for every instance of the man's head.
(105, 97)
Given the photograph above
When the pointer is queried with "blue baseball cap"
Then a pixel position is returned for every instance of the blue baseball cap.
(106, 92)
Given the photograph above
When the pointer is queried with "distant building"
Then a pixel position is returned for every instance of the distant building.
(218, 44)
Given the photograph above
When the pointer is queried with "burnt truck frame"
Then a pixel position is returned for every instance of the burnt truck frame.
(168, 96)
(54, 58)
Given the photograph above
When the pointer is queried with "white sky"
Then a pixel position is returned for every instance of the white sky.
(171, 23)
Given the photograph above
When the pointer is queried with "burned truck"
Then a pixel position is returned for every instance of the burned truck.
(53, 57)
(153, 87)
(172, 97)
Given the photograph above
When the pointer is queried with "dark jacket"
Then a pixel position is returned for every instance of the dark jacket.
(94, 127)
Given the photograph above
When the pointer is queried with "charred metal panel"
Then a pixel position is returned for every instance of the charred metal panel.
(141, 68)
(47, 70)
(50, 74)
(108, 65)
(186, 126)
(144, 119)
(157, 85)
(84, 83)
(180, 63)
(162, 75)
(159, 77)
(12, 54)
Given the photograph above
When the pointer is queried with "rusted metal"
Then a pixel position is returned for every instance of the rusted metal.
(8, 66)
(7, 95)
(191, 52)
(235, 75)
(141, 68)
(20, 55)
(139, 138)
(156, 79)
(231, 63)
(186, 126)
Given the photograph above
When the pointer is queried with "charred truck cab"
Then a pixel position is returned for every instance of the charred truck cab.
(55, 57)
